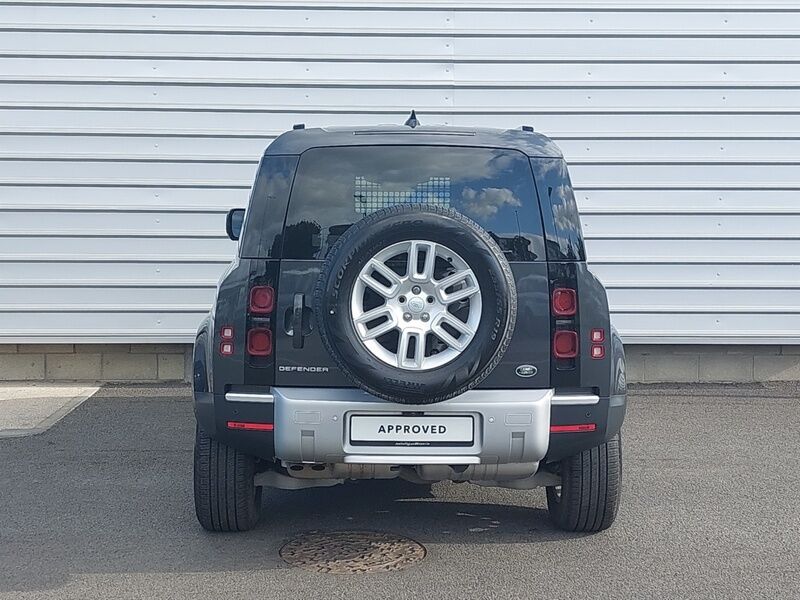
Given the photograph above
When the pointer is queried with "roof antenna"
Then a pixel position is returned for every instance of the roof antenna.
(412, 120)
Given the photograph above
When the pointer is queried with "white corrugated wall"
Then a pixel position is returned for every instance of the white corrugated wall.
(127, 129)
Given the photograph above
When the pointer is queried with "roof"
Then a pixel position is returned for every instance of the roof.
(529, 142)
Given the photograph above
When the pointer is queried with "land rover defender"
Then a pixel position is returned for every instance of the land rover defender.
(411, 302)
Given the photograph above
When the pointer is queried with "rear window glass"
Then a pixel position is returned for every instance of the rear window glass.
(336, 187)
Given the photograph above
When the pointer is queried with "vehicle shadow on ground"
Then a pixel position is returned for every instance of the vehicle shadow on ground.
(466, 514)
(109, 490)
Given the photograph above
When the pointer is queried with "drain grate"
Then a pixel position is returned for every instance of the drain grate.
(342, 552)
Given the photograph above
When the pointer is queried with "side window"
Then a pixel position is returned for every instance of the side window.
(266, 210)
(561, 219)
(336, 187)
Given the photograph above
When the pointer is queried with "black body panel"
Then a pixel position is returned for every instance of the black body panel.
(310, 364)
(530, 344)
(213, 412)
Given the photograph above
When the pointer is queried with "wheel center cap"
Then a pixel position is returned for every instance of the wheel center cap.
(416, 304)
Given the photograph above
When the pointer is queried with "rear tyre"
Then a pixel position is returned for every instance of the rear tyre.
(225, 495)
(588, 497)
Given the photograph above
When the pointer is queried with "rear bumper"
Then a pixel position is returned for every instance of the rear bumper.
(606, 415)
(312, 425)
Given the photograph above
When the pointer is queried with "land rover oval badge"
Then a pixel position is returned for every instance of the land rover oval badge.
(526, 370)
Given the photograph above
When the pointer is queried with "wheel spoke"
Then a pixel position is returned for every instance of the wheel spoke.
(469, 287)
(373, 314)
(417, 247)
(458, 343)
(456, 323)
(457, 277)
(393, 278)
(417, 352)
(378, 330)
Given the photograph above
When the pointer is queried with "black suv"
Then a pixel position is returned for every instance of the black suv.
(409, 302)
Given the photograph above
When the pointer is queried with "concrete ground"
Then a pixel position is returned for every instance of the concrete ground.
(30, 408)
(100, 506)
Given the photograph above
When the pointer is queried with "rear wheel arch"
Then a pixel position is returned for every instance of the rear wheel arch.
(619, 380)
(201, 357)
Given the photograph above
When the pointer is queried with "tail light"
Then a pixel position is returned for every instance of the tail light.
(259, 332)
(262, 300)
(564, 302)
(565, 325)
(259, 342)
(565, 344)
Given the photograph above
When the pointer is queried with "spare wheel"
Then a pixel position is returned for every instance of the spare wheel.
(416, 303)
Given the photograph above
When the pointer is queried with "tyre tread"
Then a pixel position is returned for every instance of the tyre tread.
(590, 489)
(225, 495)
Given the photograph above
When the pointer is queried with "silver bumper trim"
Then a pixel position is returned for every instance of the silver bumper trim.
(574, 399)
(240, 397)
(312, 425)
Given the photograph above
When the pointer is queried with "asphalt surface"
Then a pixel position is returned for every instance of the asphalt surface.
(100, 506)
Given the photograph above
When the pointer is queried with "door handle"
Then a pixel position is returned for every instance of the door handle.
(297, 320)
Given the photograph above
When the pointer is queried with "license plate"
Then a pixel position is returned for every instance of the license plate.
(412, 431)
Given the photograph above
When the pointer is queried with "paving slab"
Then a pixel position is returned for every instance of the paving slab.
(31, 407)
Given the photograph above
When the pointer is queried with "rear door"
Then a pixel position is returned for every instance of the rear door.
(336, 187)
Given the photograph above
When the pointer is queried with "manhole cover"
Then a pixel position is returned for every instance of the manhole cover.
(352, 552)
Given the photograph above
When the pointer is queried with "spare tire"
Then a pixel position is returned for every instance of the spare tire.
(416, 303)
